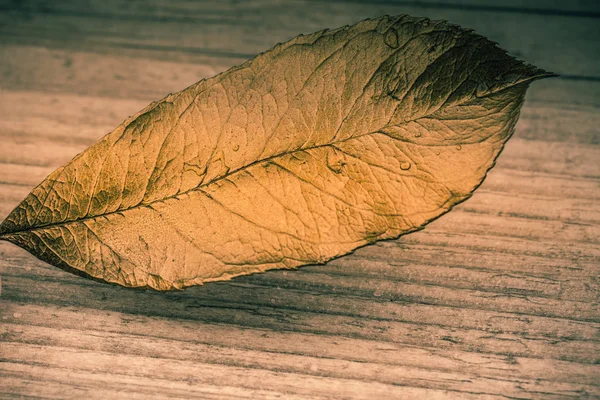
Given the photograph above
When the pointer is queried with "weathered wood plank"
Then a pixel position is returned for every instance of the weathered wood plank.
(130, 368)
(564, 46)
(17, 379)
(161, 8)
(194, 355)
(84, 334)
(306, 306)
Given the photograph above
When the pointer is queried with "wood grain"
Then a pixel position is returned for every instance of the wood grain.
(498, 299)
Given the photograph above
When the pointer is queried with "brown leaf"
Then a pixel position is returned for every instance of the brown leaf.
(318, 146)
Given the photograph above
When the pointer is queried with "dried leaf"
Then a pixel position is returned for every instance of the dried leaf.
(318, 146)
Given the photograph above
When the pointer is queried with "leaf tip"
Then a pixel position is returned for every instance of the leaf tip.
(539, 73)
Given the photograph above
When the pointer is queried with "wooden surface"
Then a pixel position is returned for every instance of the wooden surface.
(497, 299)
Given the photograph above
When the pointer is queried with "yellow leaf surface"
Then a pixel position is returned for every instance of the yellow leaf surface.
(320, 145)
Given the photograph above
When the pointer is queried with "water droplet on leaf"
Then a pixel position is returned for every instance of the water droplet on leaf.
(391, 38)
(335, 162)
(482, 89)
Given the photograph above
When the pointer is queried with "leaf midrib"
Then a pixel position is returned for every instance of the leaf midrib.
(179, 194)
